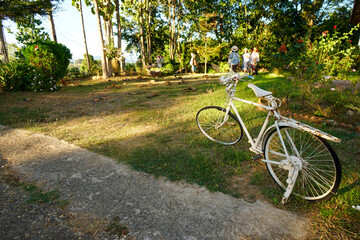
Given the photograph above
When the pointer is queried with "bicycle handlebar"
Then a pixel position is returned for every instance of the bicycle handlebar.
(232, 77)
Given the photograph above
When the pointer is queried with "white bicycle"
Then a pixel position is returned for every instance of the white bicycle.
(297, 156)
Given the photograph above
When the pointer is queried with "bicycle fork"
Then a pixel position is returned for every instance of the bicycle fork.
(292, 164)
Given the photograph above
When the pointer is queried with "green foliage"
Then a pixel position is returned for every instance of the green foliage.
(224, 67)
(40, 66)
(74, 73)
(313, 65)
(20, 9)
(50, 58)
(17, 76)
(30, 31)
(168, 69)
(39, 196)
(95, 66)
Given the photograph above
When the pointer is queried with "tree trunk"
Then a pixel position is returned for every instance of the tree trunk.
(142, 43)
(52, 26)
(110, 37)
(103, 58)
(205, 57)
(171, 45)
(181, 65)
(86, 48)
(118, 22)
(148, 41)
(173, 30)
(2, 43)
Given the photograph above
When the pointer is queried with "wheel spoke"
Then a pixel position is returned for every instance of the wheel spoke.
(321, 171)
(219, 127)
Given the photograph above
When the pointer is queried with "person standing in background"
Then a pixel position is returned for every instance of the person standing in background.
(234, 58)
(193, 63)
(255, 59)
(246, 59)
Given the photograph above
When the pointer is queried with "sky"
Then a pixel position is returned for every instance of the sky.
(69, 31)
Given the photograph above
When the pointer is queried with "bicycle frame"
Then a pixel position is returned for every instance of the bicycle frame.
(292, 164)
(279, 119)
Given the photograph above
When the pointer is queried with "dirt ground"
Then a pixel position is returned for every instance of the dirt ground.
(21, 219)
(108, 199)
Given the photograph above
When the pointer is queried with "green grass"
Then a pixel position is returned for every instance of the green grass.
(38, 196)
(159, 135)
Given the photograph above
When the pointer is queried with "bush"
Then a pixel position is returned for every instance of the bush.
(224, 67)
(39, 67)
(314, 66)
(95, 66)
(74, 73)
(17, 76)
(50, 58)
(168, 69)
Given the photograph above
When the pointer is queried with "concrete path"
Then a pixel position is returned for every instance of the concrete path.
(151, 208)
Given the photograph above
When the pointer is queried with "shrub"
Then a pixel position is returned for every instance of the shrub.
(74, 73)
(17, 76)
(50, 58)
(95, 66)
(39, 67)
(168, 69)
(224, 67)
(312, 63)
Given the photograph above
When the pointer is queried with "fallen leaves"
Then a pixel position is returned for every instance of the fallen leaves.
(101, 98)
(154, 94)
(113, 86)
(189, 89)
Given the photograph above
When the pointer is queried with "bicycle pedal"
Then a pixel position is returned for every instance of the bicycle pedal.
(257, 157)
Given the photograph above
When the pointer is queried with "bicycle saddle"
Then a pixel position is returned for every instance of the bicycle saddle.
(258, 91)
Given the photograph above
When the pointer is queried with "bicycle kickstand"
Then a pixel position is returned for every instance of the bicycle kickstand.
(293, 174)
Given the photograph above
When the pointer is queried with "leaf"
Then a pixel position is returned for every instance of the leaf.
(152, 95)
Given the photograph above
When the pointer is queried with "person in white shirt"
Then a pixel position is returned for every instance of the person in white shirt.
(254, 59)
(246, 60)
(193, 63)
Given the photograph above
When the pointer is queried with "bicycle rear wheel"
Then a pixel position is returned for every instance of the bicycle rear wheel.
(320, 175)
(213, 123)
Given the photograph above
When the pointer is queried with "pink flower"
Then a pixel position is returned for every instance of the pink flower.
(324, 33)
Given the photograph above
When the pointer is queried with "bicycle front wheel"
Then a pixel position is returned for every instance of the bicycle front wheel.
(320, 175)
(219, 127)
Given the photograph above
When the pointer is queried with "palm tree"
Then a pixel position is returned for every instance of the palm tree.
(103, 58)
(78, 5)
(52, 25)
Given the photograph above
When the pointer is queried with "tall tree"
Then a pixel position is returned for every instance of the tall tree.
(207, 23)
(52, 24)
(18, 10)
(78, 5)
(118, 27)
(103, 57)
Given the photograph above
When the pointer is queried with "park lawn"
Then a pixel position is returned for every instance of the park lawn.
(150, 124)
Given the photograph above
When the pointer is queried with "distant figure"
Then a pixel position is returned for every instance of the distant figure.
(246, 60)
(234, 58)
(254, 60)
(159, 61)
(193, 63)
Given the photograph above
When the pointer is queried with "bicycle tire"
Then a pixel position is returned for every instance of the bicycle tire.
(320, 175)
(208, 118)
